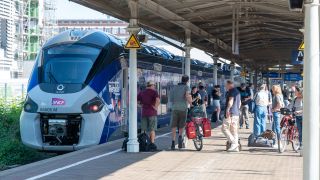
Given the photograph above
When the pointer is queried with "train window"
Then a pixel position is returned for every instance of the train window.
(68, 64)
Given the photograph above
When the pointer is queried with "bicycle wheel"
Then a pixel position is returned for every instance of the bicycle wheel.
(198, 142)
(295, 139)
(283, 139)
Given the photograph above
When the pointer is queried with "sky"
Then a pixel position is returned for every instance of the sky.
(70, 10)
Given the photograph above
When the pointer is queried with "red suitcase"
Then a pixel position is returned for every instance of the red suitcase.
(191, 130)
(206, 125)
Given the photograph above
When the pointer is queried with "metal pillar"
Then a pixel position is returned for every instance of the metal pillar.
(188, 49)
(251, 77)
(215, 71)
(232, 67)
(311, 92)
(235, 30)
(256, 79)
(133, 145)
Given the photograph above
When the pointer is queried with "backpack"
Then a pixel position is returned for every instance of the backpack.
(144, 142)
(124, 144)
(259, 141)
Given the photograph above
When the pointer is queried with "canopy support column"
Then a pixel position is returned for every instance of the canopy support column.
(311, 92)
(187, 53)
(133, 145)
(215, 70)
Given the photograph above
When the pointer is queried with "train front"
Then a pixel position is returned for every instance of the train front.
(68, 102)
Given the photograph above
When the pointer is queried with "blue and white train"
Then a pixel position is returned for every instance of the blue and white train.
(75, 92)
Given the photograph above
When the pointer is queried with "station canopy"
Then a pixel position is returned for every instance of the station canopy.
(267, 30)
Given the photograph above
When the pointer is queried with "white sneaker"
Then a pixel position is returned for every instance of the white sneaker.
(234, 148)
(275, 146)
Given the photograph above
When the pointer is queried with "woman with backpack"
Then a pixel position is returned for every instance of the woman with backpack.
(277, 104)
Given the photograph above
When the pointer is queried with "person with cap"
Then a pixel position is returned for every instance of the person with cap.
(180, 98)
(204, 97)
(231, 117)
(244, 109)
(261, 103)
(149, 100)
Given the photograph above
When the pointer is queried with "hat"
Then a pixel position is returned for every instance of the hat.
(150, 83)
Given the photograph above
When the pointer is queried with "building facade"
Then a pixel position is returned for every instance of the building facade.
(7, 37)
(110, 25)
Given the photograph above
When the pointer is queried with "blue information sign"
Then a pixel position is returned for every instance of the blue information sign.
(271, 75)
(292, 77)
(297, 57)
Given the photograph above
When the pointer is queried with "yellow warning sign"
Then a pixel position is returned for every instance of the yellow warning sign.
(301, 47)
(133, 43)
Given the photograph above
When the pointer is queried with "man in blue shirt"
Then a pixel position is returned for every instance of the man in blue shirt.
(231, 117)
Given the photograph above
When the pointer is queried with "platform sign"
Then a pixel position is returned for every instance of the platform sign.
(271, 75)
(292, 77)
(132, 43)
(297, 57)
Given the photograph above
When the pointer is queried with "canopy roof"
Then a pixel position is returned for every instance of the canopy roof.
(268, 31)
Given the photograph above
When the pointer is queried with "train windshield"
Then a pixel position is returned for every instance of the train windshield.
(68, 64)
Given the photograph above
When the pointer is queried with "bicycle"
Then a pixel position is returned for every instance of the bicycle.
(196, 116)
(288, 131)
(198, 141)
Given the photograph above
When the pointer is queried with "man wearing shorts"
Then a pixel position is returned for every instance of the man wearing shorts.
(149, 100)
(180, 98)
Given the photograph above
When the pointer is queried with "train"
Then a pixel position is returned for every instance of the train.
(78, 89)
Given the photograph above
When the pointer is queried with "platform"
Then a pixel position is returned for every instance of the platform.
(213, 162)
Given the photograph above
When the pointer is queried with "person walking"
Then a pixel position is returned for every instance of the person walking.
(297, 108)
(260, 116)
(180, 98)
(277, 104)
(244, 109)
(149, 100)
(231, 117)
(216, 95)
(204, 98)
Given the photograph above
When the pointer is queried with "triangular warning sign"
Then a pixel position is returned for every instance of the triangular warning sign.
(301, 47)
(133, 43)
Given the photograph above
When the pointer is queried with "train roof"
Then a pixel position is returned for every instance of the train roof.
(100, 38)
(95, 37)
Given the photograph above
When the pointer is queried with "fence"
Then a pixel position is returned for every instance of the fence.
(13, 90)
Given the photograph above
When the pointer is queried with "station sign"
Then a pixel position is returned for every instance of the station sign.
(271, 75)
(132, 43)
(292, 77)
(297, 57)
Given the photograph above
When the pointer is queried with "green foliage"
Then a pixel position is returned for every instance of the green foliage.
(12, 151)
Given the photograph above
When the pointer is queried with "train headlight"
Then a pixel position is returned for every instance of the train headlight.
(92, 106)
(30, 106)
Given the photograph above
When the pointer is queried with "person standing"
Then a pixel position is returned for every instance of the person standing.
(245, 99)
(216, 94)
(297, 108)
(251, 103)
(204, 98)
(277, 104)
(260, 116)
(180, 98)
(231, 117)
(196, 97)
(149, 100)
